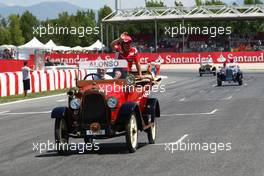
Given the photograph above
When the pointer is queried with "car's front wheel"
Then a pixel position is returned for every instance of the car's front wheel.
(132, 134)
(61, 136)
(214, 73)
(219, 82)
(200, 72)
(240, 81)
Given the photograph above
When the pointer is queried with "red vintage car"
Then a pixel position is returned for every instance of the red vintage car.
(100, 109)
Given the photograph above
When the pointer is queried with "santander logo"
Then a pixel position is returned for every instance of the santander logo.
(221, 59)
(159, 60)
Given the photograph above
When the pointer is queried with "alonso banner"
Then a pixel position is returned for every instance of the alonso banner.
(167, 58)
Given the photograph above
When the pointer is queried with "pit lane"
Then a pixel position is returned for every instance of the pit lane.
(188, 102)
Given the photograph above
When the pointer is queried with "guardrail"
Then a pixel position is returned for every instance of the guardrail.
(11, 83)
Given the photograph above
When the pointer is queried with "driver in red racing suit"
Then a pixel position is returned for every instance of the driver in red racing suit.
(125, 51)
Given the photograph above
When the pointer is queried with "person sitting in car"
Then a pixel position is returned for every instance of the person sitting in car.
(100, 75)
(232, 65)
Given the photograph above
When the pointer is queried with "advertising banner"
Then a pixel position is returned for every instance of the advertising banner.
(167, 58)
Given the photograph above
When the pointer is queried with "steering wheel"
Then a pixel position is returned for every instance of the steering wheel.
(92, 74)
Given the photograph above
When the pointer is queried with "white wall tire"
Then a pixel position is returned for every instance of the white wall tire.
(132, 133)
(152, 133)
(61, 136)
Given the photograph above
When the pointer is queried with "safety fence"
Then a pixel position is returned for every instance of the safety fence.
(11, 83)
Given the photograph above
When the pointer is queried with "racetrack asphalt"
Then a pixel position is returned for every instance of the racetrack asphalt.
(194, 110)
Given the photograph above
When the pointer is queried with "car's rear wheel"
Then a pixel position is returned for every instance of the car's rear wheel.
(61, 136)
(219, 82)
(240, 81)
(200, 72)
(132, 134)
(152, 132)
(214, 71)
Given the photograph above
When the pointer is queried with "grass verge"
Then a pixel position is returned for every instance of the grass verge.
(31, 95)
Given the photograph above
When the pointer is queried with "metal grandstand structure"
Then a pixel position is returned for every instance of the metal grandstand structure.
(187, 13)
(179, 13)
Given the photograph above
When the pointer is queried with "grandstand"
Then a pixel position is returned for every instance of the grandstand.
(161, 43)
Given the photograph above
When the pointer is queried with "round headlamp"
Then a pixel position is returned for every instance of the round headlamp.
(75, 103)
(112, 102)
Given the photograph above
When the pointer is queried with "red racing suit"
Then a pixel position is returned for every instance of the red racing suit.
(131, 57)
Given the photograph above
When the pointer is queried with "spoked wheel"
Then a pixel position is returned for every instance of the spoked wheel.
(61, 136)
(152, 132)
(200, 72)
(132, 134)
(219, 82)
(240, 81)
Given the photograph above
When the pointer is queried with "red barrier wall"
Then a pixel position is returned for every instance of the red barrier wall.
(14, 65)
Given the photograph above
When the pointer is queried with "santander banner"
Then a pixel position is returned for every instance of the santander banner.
(167, 58)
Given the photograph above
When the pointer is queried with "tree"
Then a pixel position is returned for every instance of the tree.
(214, 2)
(27, 22)
(209, 2)
(103, 12)
(154, 3)
(3, 21)
(66, 21)
(89, 20)
(5, 36)
(76, 29)
(253, 2)
(178, 3)
(198, 2)
(15, 31)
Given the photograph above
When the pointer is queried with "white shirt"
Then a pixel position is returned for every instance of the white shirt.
(25, 72)
(106, 77)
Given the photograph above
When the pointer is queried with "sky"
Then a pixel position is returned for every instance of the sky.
(96, 4)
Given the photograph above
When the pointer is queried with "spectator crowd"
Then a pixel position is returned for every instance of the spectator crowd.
(8, 54)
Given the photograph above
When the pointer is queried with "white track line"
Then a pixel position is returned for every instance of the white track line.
(191, 114)
(230, 97)
(163, 77)
(62, 100)
(173, 82)
(214, 111)
(24, 113)
(173, 143)
(3, 112)
(182, 99)
(32, 99)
